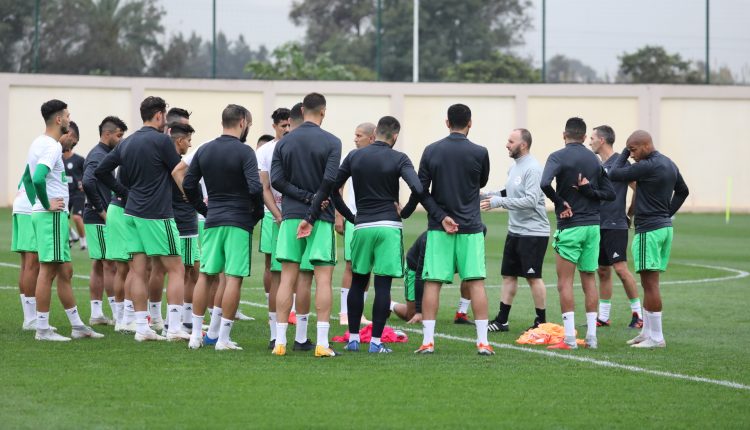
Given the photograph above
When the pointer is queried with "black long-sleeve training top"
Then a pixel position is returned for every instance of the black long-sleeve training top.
(613, 214)
(565, 166)
(304, 167)
(375, 171)
(98, 194)
(453, 169)
(230, 170)
(149, 158)
(185, 215)
(660, 190)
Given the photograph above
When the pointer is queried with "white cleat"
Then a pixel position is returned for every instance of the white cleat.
(239, 316)
(102, 320)
(228, 346)
(50, 335)
(591, 343)
(157, 325)
(177, 336)
(85, 331)
(638, 339)
(126, 328)
(649, 343)
(195, 343)
(149, 335)
(30, 325)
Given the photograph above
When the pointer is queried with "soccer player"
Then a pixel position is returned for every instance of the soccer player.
(305, 165)
(364, 135)
(272, 217)
(49, 190)
(660, 191)
(528, 230)
(98, 195)
(235, 199)
(23, 241)
(187, 225)
(456, 169)
(74, 173)
(581, 184)
(613, 243)
(377, 245)
(149, 158)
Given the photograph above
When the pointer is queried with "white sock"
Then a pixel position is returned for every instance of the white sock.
(294, 303)
(604, 307)
(154, 309)
(300, 334)
(225, 329)
(73, 234)
(428, 332)
(364, 299)
(83, 241)
(187, 312)
(590, 324)
(655, 327)
(481, 331)
(24, 308)
(42, 320)
(570, 326)
(281, 333)
(393, 305)
(174, 317)
(375, 340)
(463, 306)
(213, 328)
(112, 306)
(267, 299)
(197, 326)
(272, 324)
(74, 317)
(96, 309)
(141, 322)
(323, 334)
(129, 311)
(353, 337)
(646, 324)
(635, 306)
(120, 311)
(29, 312)
(344, 305)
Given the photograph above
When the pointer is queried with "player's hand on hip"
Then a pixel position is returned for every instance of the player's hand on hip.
(567, 212)
(103, 215)
(304, 229)
(449, 225)
(56, 204)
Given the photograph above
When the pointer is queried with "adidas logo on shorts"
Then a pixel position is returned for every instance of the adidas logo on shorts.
(531, 270)
(615, 255)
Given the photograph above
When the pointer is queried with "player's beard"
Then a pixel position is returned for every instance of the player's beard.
(515, 154)
(63, 129)
(243, 136)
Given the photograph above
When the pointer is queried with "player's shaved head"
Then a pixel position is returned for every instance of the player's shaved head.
(367, 128)
(640, 144)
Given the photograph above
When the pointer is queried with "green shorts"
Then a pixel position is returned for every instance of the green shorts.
(651, 249)
(201, 229)
(226, 249)
(348, 236)
(379, 250)
(152, 236)
(51, 229)
(447, 254)
(409, 277)
(318, 249)
(579, 245)
(265, 244)
(117, 234)
(96, 234)
(189, 250)
(24, 238)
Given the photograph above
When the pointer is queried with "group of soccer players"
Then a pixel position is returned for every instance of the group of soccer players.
(190, 220)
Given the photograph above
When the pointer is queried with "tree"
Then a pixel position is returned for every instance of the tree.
(502, 68)
(654, 65)
(451, 32)
(14, 18)
(563, 69)
(289, 62)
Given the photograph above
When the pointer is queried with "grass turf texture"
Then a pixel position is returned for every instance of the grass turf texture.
(118, 383)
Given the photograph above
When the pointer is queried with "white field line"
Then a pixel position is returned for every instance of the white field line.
(571, 356)
(603, 363)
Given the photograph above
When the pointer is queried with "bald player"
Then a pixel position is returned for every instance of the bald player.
(660, 191)
(364, 135)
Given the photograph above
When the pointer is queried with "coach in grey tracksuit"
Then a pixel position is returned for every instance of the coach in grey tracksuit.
(528, 229)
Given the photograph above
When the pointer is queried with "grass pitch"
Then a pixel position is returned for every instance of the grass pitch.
(701, 379)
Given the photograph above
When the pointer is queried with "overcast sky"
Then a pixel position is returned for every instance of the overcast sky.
(593, 31)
